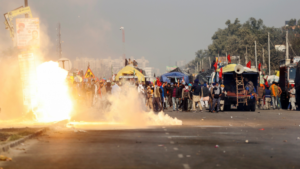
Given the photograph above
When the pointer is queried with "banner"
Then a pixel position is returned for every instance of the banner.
(28, 77)
(20, 11)
(27, 32)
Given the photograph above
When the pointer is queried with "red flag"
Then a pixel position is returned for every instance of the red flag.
(220, 73)
(249, 64)
(158, 82)
(259, 66)
(216, 65)
(266, 82)
(228, 58)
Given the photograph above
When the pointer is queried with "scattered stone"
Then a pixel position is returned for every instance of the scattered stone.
(246, 141)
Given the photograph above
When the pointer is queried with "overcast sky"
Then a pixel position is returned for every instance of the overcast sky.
(163, 31)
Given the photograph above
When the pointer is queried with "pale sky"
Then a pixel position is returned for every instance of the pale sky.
(163, 31)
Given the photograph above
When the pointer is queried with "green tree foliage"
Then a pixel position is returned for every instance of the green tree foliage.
(238, 39)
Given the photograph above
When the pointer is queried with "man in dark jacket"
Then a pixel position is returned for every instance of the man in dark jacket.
(196, 95)
(216, 93)
(173, 93)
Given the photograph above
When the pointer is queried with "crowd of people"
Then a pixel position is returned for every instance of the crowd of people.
(180, 96)
(270, 96)
(184, 97)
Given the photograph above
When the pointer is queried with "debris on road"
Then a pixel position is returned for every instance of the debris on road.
(285, 141)
(246, 141)
(4, 158)
(216, 146)
(262, 129)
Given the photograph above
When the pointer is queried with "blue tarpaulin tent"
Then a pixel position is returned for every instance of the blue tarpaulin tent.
(169, 76)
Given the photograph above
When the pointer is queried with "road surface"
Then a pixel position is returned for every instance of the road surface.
(261, 139)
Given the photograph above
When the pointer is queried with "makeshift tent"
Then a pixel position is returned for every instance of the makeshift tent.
(130, 71)
(204, 76)
(190, 77)
(172, 75)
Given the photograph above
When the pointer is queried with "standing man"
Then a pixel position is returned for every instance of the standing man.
(279, 97)
(196, 95)
(267, 98)
(260, 93)
(274, 94)
(173, 93)
(156, 98)
(149, 102)
(222, 97)
(216, 93)
(292, 97)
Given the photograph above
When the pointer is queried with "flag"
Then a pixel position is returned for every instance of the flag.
(228, 58)
(259, 66)
(220, 73)
(216, 65)
(158, 82)
(249, 64)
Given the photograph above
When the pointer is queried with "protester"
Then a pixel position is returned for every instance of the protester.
(292, 99)
(267, 98)
(196, 95)
(162, 96)
(88, 90)
(157, 98)
(216, 93)
(260, 94)
(279, 96)
(108, 87)
(174, 91)
(149, 98)
(222, 98)
(274, 94)
(205, 96)
(190, 106)
(185, 98)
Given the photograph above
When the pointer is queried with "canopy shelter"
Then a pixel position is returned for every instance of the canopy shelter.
(170, 77)
(230, 68)
(130, 71)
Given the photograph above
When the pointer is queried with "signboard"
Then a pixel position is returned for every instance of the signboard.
(28, 77)
(27, 32)
(89, 74)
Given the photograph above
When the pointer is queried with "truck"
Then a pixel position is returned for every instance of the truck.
(235, 78)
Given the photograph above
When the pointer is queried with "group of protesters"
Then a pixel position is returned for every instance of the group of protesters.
(182, 96)
(90, 90)
(270, 96)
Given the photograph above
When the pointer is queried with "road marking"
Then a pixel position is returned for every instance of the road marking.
(180, 156)
(169, 137)
(175, 148)
(186, 166)
(172, 142)
(167, 133)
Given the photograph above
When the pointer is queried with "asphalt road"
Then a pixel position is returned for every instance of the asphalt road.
(205, 140)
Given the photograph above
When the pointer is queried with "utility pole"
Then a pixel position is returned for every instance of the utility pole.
(255, 56)
(209, 62)
(269, 52)
(263, 56)
(287, 58)
(59, 51)
(246, 57)
(26, 4)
